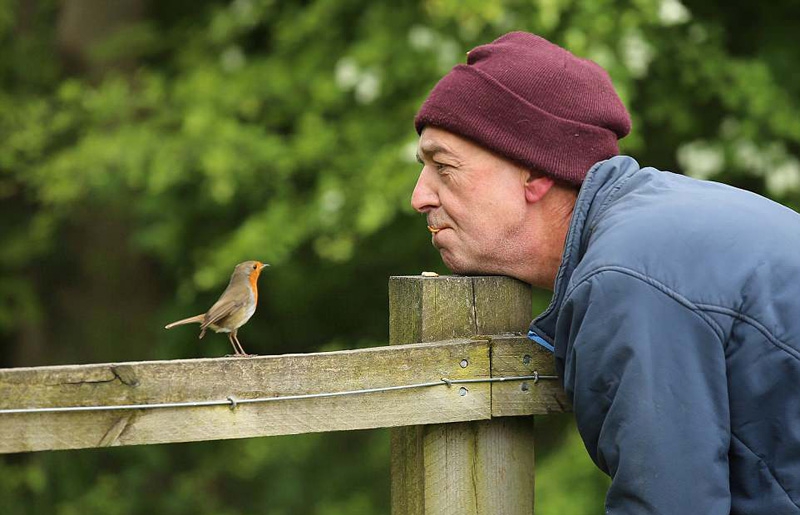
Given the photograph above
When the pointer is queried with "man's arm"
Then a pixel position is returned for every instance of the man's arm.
(647, 376)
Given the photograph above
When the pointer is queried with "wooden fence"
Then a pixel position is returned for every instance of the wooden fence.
(457, 384)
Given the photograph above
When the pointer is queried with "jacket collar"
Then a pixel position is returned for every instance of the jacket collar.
(602, 183)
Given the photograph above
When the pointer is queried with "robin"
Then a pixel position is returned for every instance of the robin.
(235, 306)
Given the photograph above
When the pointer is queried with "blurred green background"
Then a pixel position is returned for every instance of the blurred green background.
(147, 147)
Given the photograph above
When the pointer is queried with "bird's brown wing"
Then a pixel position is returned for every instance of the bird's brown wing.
(221, 309)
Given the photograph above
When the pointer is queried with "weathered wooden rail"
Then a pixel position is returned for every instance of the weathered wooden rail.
(463, 441)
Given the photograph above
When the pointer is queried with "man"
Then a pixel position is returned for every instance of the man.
(675, 319)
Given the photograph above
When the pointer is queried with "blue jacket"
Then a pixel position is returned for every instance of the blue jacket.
(676, 326)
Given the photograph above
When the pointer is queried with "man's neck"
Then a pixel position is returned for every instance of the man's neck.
(550, 222)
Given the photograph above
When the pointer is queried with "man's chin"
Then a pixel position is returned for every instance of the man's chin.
(459, 267)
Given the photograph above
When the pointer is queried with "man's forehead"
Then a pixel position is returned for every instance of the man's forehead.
(436, 141)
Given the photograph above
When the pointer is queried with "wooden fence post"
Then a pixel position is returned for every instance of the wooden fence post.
(466, 468)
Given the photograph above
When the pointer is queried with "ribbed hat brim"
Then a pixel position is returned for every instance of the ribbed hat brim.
(472, 104)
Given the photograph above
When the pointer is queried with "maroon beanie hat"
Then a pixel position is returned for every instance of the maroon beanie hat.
(532, 102)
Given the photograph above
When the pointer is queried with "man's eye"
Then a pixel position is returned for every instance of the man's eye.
(441, 167)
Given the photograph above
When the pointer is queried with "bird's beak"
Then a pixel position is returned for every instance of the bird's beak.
(263, 266)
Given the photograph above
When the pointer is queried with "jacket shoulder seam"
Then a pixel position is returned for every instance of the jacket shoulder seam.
(677, 297)
(754, 323)
(700, 309)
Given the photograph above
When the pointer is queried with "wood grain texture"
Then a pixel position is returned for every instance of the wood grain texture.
(408, 470)
(450, 473)
(465, 468)
(505, 451)
(502, 305)
(422, 310)
(427, 309)
(242, 378)
(519, 356)
(482, 467)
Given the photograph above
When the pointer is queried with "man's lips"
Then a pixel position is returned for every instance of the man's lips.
(433, 228)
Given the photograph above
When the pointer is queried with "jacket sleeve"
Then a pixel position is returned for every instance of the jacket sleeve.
(646, 373)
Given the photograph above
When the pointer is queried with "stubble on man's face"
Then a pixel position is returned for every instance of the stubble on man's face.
(473, 200)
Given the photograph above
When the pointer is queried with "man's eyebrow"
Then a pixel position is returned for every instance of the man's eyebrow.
(431, 149)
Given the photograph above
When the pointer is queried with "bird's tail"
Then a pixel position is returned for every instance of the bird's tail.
(198, 319)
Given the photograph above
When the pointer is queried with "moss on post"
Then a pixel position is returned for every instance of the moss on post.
(468, 468)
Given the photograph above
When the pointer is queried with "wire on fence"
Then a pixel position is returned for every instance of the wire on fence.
(233, 403)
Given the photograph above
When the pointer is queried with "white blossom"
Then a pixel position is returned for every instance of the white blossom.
(785, 178)
(421, 37)
(700, 160)
(347, 73)
(636, 54)
(368, 87)
(672, 12)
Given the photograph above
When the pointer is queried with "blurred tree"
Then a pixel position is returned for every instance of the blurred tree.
(146, 147)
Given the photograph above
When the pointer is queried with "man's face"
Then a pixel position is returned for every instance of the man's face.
(474, 201)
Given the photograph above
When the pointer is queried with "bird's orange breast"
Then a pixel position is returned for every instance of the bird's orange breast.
(254, 285)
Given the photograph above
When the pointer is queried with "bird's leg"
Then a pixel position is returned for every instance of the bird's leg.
(231, 337)
(236, 339)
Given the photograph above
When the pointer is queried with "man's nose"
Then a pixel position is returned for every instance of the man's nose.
(424, 198)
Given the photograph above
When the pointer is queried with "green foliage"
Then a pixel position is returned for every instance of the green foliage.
(566, 480)
(134, 176)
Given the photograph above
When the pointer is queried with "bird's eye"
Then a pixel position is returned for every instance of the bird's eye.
(255, 266)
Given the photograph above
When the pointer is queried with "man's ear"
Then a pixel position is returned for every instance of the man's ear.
(536, 186)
